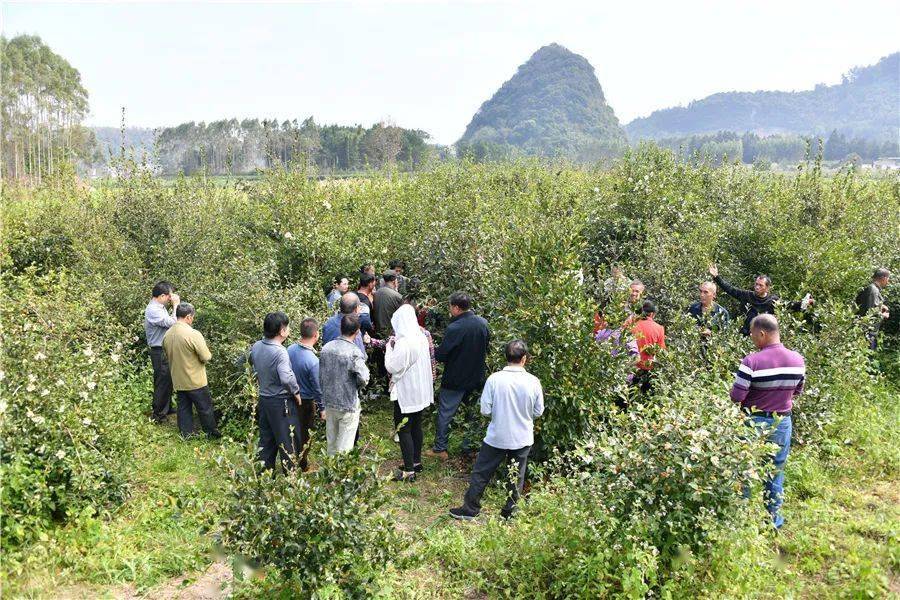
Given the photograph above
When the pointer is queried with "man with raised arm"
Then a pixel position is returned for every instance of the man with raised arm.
(157, 321)
(765, 386)
(759, 300)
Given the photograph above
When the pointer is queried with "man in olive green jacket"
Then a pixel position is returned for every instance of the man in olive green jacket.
(187, 354)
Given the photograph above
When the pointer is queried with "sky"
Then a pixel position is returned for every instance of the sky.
(430, 65)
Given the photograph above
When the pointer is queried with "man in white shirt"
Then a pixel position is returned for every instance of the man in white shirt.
(513, 398)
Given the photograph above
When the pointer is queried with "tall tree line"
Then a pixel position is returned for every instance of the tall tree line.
(235, 146)
(43, 104)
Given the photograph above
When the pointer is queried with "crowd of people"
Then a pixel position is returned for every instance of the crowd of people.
(382, 327)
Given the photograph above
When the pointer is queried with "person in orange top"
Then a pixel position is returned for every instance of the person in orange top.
(651, 338)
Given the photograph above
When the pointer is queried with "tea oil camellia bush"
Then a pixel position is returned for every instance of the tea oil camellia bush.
(67, 408)
(657, 489)
(317, 531)
(643, 507)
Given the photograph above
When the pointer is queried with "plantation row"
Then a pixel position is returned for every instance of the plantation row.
(532, 244)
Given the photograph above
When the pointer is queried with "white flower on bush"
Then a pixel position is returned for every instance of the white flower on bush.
(88, 352)
(60, 383)
(60, 454)
(91, 385)
(45, 392)
(86, 422)
(30, 387)
(40, 356)
(288, 235)
(115, 357)
(83, 395)
(32, 377)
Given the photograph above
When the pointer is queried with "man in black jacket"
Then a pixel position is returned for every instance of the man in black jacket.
(463, 352)
(758, 300)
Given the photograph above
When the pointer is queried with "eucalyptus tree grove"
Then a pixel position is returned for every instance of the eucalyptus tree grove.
(43, 104)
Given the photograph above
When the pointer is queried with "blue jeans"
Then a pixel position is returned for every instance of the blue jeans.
(448, 403)
(773, 486)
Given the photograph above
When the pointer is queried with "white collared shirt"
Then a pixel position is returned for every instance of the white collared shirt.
(513, 398)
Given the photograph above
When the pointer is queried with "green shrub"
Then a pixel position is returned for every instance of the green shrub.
(68, 403)
(317, 530)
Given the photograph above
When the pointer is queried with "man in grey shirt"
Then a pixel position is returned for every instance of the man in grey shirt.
(342, 372)
(279, 394)
(513, 398)
(871, 306)
(157, 321)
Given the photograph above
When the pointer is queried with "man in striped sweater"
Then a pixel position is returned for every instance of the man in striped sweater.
(765, 386)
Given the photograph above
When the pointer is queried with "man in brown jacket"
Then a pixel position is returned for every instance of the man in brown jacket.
(187, 354)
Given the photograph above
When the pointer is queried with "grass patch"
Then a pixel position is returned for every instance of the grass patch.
(842, 537)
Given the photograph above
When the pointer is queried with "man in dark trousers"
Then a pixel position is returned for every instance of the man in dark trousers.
(871, 306)
(759, 300)
(188, 354)
(305, 364)
(513, 398)
(279, 394)
(157, 321)
(463, 352)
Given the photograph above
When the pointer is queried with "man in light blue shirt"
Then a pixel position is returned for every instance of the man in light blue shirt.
(157, 321)
(513, 398)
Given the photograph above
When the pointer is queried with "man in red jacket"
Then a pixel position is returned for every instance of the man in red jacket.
(651, 338)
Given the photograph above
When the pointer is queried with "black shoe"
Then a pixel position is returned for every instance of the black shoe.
(215, 435)
(418, 468)
(463, 514)
(407, 476)
(506, 515)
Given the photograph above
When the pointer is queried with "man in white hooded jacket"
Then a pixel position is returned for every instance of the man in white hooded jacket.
(408, 361)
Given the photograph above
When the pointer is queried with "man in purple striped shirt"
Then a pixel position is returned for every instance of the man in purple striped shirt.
(765, 386)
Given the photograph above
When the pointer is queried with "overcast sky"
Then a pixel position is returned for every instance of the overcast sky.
(430, 65)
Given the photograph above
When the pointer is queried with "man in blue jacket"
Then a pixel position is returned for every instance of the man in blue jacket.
(305, 365)
(348, 305)
(463, 352)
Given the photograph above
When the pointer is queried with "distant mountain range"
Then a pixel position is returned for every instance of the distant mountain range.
(553, 106)
(866, 104)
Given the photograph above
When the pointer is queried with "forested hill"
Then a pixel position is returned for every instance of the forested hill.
(865, 104)
(553, 106)
(233, 146)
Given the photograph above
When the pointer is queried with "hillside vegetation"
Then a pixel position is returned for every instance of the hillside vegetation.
(553, 107)
(864, 105)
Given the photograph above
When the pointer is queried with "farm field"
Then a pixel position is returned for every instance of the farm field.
(98, 502)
